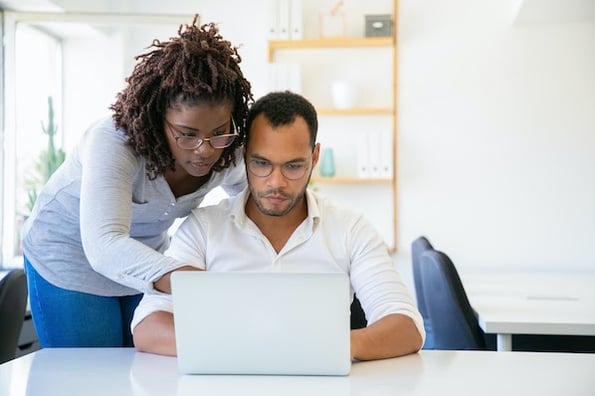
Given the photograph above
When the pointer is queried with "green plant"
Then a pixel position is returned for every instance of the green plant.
(49, 160)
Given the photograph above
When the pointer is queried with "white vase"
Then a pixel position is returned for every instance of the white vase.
(344, 94)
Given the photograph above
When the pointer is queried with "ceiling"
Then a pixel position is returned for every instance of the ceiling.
(78, 6)
(525, 11)
(548, 11)
(30, 5)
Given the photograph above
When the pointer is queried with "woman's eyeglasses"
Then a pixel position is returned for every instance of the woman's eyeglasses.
(186, 142)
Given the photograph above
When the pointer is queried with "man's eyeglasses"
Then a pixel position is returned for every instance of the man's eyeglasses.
(290, 170)
(190, 142)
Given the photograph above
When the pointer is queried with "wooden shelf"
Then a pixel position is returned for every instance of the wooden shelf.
(355, 111)
(311, 51)
(329, 43)
(350, 180)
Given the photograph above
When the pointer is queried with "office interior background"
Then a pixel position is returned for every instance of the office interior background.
(495, 159)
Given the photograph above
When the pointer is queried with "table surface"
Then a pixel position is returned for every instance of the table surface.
(533, 303)
(123, 371)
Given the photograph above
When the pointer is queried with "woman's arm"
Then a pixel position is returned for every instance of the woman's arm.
(109, 170)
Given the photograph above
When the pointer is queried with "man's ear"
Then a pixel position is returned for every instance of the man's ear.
(315, 155)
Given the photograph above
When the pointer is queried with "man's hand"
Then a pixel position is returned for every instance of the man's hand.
(163, 284)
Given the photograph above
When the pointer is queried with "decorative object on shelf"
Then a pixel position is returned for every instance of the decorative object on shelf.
(327, 163)
(379, 25)
(344, 94)
(332, 22)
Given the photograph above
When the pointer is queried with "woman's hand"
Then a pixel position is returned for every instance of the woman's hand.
(163, 284)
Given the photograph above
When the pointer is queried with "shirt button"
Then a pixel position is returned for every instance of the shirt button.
(166, 213)
(173, 204)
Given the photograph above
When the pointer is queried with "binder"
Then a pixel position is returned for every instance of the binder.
(295, 20)
(273, 20)
(386, 155)
(283, 19)
(284, 76)
(363, 156)
(374, 149)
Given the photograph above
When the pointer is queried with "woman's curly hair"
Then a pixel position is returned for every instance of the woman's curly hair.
(196, 66)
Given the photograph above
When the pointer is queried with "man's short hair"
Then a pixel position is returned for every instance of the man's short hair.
(281, 108)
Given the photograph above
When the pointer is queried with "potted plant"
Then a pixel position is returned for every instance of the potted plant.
(49, 160)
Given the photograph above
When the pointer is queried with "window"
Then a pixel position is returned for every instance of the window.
(80, 62)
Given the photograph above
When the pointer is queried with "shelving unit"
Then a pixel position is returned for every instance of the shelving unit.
(350, 180)
(366, 42)
(377, 111)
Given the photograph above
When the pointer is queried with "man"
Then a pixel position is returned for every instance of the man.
(277, 224)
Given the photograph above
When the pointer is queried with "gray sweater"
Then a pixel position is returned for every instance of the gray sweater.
(100, 225)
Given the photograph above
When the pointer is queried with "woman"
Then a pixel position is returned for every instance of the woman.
(93, 242)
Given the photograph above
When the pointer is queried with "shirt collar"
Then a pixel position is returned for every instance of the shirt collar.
(238, 204)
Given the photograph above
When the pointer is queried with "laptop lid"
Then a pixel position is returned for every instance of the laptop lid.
(262, 323)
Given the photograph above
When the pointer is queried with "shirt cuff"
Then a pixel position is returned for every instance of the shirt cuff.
(151, 303)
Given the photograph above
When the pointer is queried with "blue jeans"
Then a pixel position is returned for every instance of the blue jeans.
(66, 318)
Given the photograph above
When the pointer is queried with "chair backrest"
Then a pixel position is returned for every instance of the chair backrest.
(418, 247)
(454, 323)
(13, 304)
(358, 317)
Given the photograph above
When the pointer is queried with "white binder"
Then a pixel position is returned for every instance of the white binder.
(295, 20)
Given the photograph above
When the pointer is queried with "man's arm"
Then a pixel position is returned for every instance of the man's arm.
(163, 284)
(392, 336)
(155, 334)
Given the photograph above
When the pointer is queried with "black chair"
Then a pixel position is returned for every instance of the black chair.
(418, 247)
(13, 304)
(358, 317)
(454, 323)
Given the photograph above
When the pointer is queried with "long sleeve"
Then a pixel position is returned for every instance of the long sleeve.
(107, 211)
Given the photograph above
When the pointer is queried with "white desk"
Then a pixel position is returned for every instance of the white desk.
(122, 371)
(532, 303)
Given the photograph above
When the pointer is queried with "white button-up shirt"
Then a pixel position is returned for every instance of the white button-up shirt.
(331, 239)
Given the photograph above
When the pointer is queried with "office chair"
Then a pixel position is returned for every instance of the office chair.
(454, 323)
(418, 247)
(358, 317)
(13, 304)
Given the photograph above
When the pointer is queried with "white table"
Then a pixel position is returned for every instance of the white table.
(123, 371)
(510, 303)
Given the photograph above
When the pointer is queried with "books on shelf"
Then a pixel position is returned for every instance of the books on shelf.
(285, 76)
(374, 155)
(285, 20)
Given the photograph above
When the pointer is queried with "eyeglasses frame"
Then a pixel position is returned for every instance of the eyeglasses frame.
(173, 130)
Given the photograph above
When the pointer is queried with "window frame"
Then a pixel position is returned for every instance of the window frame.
(9, 22)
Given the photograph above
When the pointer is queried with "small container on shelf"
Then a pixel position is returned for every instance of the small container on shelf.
(379, 25)
(344, 94)
(327, 163)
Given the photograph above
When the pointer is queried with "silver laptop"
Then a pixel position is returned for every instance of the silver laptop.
(262, 323)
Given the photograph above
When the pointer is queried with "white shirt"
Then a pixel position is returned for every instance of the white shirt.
(331, 239)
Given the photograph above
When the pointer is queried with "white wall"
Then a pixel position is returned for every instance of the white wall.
(496, 154)
(496, 159)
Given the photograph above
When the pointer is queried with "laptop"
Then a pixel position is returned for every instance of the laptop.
(262, 323)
